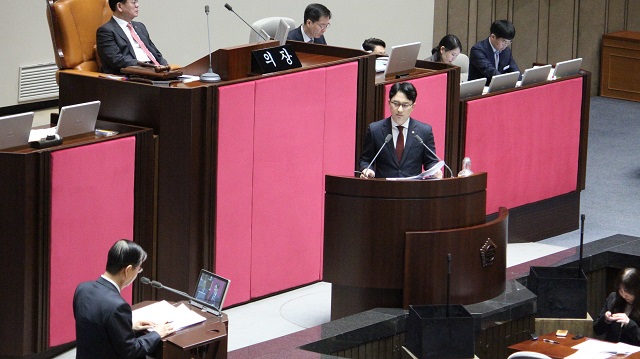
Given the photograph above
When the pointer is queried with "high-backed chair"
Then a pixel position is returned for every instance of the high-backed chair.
(73, 25)
(462, 61)
(528, 355)
(270, 26)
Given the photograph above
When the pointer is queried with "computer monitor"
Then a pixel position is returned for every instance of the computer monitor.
(567, 68)
(535, 75)
(503, 81)
(472, 88)
(211, 289)
(15, 129)
(282, 32)
(402, 59)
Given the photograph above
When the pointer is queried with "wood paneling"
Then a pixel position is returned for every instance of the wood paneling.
(547, 31)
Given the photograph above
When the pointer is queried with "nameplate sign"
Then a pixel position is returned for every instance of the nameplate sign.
(274, 59)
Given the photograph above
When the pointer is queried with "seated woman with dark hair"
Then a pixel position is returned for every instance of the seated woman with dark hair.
(447, 50)
(620, 316)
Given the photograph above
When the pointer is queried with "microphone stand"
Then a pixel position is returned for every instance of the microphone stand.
(205, 306)
(386, 140)
(209, 76)
(228, 7)
(419, 139)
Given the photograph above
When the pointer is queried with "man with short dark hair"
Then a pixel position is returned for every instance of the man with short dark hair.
(104, 327)
(122, 42)
(316, 22)
(492, 56)
(375, 46)
(404, 155)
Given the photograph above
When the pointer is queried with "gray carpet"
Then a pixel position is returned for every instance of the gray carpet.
(610, 201)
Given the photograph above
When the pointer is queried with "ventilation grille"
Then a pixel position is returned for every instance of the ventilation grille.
(38, 82)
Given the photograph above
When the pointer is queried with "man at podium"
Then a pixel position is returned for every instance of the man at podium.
(104, 328)
(404, 155)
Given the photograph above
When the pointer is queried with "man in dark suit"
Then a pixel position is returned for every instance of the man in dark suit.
(492, 56)
(405, 156)
(104, 327)
(316, 22)
(122, 42)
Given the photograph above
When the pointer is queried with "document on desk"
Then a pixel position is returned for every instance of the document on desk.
(163, 312)
(597, 349)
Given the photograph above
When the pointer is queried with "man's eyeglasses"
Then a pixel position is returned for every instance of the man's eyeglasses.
(323, 26)
(397, 104)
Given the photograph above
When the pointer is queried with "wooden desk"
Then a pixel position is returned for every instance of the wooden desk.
(558, 351)
(620, 65)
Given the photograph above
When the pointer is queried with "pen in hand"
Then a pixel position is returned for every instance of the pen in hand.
(550, 341)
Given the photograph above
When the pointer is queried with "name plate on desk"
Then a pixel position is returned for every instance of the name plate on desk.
(273, 59)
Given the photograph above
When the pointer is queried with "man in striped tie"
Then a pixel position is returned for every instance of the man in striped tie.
(122, 42)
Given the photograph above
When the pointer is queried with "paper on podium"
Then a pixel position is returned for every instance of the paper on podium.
(163, 312)
(601, 349)
(426, 174)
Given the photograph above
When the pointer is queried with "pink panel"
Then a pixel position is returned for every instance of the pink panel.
(288, 180)
(91, 208)
(431, 106)
(235, 188)
(527, 141)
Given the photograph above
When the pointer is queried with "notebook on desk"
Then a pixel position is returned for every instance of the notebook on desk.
(14, 130)
(567, 68)
(472, 88)
(402, 59)
(535, 75)
(503, 81)
(211, 289)
(73, 120)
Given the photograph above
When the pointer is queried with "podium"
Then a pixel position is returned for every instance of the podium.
(206, 340)
(373, 245)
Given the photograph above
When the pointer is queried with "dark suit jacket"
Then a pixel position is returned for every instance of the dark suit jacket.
(629, 333)
(414, 156)
(296, 35)
(103, 324)
(482, 62)
(115, 50)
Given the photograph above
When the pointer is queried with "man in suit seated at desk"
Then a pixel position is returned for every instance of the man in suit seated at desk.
(122, 42)
(104, 327)
(316, 22)
(492, 56)
(407, 157)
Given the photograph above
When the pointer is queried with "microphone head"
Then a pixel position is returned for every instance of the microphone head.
(418, 138)
(228, 7)
(206, 9)
(156, 284)
(388, 138)
(144, 280)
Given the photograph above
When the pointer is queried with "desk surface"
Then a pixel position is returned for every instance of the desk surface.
(561, 350)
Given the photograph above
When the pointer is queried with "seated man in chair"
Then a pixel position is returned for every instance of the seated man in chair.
(122, 42)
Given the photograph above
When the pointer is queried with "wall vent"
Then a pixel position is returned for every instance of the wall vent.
(38, 82)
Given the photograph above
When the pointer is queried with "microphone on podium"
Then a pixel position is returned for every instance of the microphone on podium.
(386, 140)
(209, 76)
(228, 7)
(419, 139)
(158, 285)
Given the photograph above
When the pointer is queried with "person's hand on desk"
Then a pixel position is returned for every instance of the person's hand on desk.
(368, 173)
(164, 329)
(438, 174)
(143, 324)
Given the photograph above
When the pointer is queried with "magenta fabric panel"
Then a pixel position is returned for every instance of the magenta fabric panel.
(431, 106)
(527, 141)
(340, 126)
(288, 180)
(235, 188)
(91, 207)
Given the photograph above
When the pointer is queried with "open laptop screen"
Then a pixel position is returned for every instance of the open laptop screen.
(15, 129)
(211, 289)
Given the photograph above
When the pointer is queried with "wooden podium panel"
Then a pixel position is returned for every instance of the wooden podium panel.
(620, 65)
(365, 226)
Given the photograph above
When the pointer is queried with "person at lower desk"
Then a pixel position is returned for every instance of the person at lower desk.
(404, 156)
(104, 327)
(492, 56)
(620, 316)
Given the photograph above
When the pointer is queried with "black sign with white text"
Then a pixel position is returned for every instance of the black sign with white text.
(274, 59)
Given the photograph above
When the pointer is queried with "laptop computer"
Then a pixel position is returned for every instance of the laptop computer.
(535, 75)
(402, 59)
(211, 289)
(567, 68)
(503, 81)
(77, 119)
(472, 88)
(15, 129)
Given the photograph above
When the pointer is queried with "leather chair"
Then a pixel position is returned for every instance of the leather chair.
(73, 25)
(462, 61)
(528, 355)
(270, 26)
